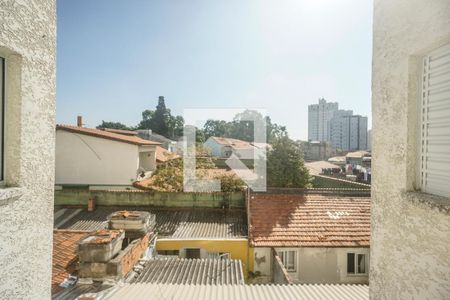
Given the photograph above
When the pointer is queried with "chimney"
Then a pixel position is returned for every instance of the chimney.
(79, 121)
(91, 204)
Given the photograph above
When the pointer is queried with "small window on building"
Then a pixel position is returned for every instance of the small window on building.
(168, 252)
(356, 263)
(289, 260)
(2, 116)
(192, 253)
(435, 123)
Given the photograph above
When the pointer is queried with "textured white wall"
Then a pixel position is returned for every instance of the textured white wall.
(27, 41)
(410, 243)
(83, 159)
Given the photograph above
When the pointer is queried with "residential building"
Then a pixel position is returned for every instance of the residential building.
(319, 238)
(182, 232)
(322, 167)
(319, 116)
(27, 117)
(163, 155)
(225, 147)
(98, 158)
(348, 132)
(410, 242)
(315, 150)
(166, 143)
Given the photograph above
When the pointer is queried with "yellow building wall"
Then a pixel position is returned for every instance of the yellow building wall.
(238, 248)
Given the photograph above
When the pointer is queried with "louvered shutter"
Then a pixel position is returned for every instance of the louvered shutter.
(435, 118)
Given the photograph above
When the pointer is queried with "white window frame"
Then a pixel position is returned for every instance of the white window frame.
(285, 255)
(423, 118)
(2, 117)
(355, 263)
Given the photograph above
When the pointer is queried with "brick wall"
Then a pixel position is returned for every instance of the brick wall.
(132, 254)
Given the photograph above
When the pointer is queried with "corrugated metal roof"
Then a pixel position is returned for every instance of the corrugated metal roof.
(238, 292)
(175, 270)
(170, 223)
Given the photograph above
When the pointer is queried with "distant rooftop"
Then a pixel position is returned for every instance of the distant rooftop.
(170, 222)
(302, 220)
(315, 167)
(174, 270)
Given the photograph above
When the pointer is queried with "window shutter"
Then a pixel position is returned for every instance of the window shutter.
(435, 129)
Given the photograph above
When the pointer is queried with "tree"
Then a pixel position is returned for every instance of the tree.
(161, 121)
(114, 125)
(285, 165)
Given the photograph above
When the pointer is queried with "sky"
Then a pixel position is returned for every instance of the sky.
(115, 57)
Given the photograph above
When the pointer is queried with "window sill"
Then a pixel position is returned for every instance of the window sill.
(9, 194)
(431, 201)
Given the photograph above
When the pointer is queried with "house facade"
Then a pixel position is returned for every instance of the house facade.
(101, 159)
(319, 238)
(27, 138)
(410, 242)
(225, 147)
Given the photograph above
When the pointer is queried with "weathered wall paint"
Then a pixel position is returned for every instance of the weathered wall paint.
(238, 248)
(410, 242)
(27, 42)
(142, 198)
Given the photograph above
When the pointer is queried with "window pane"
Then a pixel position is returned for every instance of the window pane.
(361, 263)
(351, 263)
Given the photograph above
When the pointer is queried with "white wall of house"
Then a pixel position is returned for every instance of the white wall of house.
(315, 265)
(410, 230)
(87, 160)
(28, 43)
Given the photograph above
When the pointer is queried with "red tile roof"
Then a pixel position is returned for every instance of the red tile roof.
(235, 143)
(163, 155)
(120, 131)
(299, 220)
(107, 135)
(64, 255)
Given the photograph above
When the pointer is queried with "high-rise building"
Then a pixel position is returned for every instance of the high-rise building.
(319, 116)
(348, 132)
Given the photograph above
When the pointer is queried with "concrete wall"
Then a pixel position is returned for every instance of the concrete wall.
(27, 42)
(410, 230)
(137, 198)
(314, 265)
(83, 159)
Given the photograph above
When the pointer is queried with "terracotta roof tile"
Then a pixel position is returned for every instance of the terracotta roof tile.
(163, 155)
(298, 220)
(64, 255)
(131, 139)
(120, 131)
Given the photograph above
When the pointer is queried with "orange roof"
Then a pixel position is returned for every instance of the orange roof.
(107, 135)
(64, 255)
(120, 131)
(163, 155)
(299, 220)
(235, 143)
